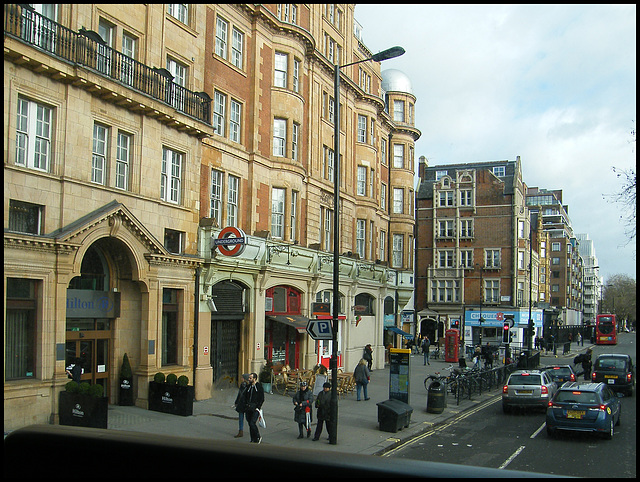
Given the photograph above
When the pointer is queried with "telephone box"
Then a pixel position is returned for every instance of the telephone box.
(451, 343)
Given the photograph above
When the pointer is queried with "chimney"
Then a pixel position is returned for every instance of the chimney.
(423, 163)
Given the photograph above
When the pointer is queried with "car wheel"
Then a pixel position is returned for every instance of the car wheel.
(609, 434)
(551, 432)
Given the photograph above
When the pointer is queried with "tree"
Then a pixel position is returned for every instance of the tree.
(619, 297)
(627, 195)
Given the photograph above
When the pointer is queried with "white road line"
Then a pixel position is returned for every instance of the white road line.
(538, 431)
(513, 456)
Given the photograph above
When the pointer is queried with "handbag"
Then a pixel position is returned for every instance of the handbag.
(261, 421)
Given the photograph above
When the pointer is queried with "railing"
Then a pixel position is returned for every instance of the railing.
(87, 49)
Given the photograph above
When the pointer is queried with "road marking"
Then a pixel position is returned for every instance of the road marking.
(513, 456)
(538, 431)
(444, 426)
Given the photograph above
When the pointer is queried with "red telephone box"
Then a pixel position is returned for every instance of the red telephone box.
(451, 342)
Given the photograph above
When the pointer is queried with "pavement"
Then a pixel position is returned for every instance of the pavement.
(358, 428)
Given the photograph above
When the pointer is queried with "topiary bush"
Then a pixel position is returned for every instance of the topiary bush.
(96, 390)
(183, 380)
(125, 370)
(172, 378)
(158, 377)
(84, 388)
(71, 387)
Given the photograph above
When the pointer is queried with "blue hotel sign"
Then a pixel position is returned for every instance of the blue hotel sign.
(93, 304)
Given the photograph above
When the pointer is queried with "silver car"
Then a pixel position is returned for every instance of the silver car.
(528, 388)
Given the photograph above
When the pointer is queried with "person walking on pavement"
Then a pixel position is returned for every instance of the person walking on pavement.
(426, 343)
(253, 399)
(580, 340)
(302, 403)
(323, 411)
(239, 404)
(368, 355)
(362, 376)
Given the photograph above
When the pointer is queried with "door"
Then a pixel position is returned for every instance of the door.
(225, 342)
(88, 339)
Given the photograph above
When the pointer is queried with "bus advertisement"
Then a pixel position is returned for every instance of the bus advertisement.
(606, 330)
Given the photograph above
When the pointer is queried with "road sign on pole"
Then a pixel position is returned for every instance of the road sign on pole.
(320, 329)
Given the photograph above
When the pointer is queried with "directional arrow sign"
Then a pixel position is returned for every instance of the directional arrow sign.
(320, 329)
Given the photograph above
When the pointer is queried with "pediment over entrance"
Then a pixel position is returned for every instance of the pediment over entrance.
(117, 217)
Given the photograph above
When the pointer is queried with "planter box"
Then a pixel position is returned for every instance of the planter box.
(172, 399)
(126, 392)
(83, 410)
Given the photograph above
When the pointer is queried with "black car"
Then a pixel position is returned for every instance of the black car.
(616, 371)
(561, 373)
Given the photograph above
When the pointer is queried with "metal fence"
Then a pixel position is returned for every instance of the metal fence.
(86, 48)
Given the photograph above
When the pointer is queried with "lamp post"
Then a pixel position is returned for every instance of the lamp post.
(379, 57)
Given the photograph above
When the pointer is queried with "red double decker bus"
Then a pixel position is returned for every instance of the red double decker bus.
(606, 330)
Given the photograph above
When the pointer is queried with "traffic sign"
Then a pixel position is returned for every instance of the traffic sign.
(320, 329)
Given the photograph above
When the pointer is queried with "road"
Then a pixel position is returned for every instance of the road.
(486, 437)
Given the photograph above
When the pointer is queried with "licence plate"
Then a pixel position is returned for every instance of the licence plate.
(525, 392)
(611, 381)
(575, 414)
(611, 376)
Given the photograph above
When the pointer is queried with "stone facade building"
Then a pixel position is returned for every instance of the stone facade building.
(137, 136)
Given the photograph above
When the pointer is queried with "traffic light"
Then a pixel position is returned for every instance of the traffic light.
(505, 332)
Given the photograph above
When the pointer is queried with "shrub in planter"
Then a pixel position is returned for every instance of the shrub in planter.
(82, 405)
(126, 383)
(173, 396)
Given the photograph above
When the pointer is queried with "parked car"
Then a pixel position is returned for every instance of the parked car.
(616, 370)
(584, 407)
(561, 373)
(528, 388)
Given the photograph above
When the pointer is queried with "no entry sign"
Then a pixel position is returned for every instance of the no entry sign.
(231, 241)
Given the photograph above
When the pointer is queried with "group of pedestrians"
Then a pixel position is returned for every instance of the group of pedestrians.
(250, 398)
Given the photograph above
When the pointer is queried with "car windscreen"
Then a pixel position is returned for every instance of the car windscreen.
(524, 380)
(575, 396)
(610, 364)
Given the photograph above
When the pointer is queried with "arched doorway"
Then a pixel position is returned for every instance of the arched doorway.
(92, 306)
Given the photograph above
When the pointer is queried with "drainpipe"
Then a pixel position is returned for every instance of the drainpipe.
(196, 316)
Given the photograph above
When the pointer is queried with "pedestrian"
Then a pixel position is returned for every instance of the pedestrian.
(477, 354)
(362, 376)
(74, 370)
(586, 364)
(302, 403)
(323, 411)
(426, 343)
(239, 404)
(368, 355)
(253, 399)
(580, 339)
(488, 356)
(570, 340)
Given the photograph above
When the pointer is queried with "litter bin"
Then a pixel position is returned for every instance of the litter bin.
(436, 397)
(393, 415)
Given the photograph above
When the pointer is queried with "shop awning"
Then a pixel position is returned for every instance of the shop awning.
(298, 322)
(397, 330)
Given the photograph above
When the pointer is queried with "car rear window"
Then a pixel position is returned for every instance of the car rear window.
(610, 364)
(576, 396)
(559, 371)
(524, 380)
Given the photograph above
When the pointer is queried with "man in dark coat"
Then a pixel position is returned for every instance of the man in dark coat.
(253, 398)
(323, 410)
(302, 401)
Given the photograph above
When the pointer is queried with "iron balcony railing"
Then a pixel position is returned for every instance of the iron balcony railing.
(88, 49)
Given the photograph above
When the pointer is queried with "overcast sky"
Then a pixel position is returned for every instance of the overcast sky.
(553, 84)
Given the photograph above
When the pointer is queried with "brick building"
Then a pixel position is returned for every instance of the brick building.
(135, 135)
(473, 254)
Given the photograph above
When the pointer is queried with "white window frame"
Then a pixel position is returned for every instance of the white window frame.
(445, 198)
(33, 135)
(99, 150)
(279, 137)
(293, 216)
(215, 203)
(446, 258)
(222, 35)
(398, 156)
(123, 160)
(235, 120)
(171, 175)
(398, 111)
(466, 197)
(280, 70)
(278, 196)
(361, 183)
(398, 200)
(361, 226)
(233, 187)
(383, 196)
(237, 47)
(362, 128)
(466, 228)
(466, 258)
(492, 258)
(179, 11)
(219, 112)
(398, 251)
(295, 137)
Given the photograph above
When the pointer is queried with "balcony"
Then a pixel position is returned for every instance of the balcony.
(87, 49)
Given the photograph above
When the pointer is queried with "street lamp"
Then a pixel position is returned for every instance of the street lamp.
(379, 57)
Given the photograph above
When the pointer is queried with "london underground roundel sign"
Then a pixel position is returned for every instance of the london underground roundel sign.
(231, 241)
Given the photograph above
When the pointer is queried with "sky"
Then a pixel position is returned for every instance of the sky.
(553, 84)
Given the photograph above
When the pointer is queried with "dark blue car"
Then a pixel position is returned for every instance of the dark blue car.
(584, 407)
